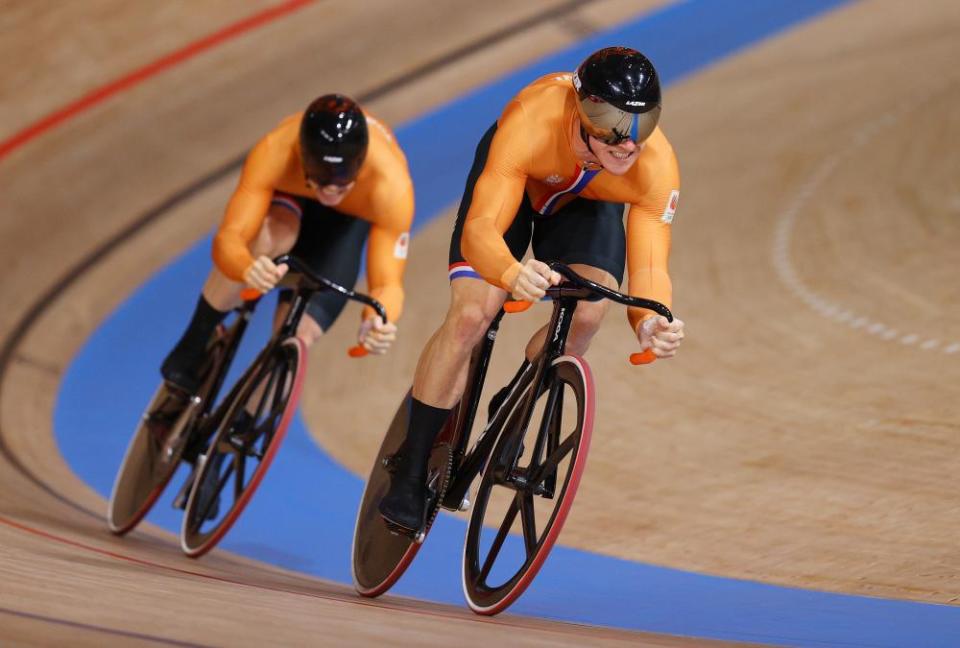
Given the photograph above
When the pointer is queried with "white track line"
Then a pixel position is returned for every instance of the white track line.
(786, 223)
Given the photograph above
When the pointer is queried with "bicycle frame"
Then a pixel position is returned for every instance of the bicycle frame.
(467, 465)
(307, 285)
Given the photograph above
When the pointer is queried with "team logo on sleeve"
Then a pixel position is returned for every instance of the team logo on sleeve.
(671, 208)
(401, 246)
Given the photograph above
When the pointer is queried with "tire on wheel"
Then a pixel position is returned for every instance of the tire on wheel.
(270, 389)
(515, 523)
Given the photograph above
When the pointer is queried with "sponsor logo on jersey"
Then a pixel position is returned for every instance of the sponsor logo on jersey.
(671, 208)
(553, 179)
(333, 159)
(402, 245)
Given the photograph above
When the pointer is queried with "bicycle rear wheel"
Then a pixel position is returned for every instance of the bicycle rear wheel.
(243, 446)
(157, 445)
(380, 556)
(521, 505)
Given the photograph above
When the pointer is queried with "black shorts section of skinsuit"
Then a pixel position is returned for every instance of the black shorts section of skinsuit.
(331, 244)
(583, 231)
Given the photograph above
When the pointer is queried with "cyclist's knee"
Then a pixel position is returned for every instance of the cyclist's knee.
(277, 234)
(586, 323)
(466, 322)
(308, 330)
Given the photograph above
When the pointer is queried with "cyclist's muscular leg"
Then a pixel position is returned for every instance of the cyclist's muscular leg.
(586, 319)
(443, 362)
(277, 235)
(437, 386)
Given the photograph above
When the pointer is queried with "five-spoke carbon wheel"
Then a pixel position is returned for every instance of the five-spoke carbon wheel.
(243, 446)
(520, 506)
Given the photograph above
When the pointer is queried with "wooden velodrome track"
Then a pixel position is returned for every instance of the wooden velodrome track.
(806, 435)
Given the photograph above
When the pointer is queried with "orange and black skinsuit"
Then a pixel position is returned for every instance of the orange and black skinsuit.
(330, 239)
(527, 183)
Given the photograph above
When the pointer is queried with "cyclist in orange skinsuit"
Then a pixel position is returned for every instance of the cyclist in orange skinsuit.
(315, 186)
(569, 155)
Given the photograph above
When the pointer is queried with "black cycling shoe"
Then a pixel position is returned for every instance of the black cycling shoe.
(181, 369)
(405, 504)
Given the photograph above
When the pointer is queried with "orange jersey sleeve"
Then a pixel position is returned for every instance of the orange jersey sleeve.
(648, 227)
(263, 170)
(388, 245)
(383, 196)
(496, 199)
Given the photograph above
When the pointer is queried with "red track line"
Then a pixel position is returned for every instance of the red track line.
(509, 621)
(124, 83)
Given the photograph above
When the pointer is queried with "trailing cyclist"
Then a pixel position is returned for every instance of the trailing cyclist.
(568, 157)
(318, 186)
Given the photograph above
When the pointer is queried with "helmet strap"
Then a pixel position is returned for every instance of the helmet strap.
(585, 136)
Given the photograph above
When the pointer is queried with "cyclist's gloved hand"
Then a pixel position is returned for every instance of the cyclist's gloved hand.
(533, 280)
(263, 274)
(375, 336)
(660, 335)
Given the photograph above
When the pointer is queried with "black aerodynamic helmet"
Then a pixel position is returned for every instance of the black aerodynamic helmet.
(618, 92)
(333, 140)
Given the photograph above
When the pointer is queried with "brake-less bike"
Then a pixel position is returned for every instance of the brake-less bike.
(230, 443)
(531, 455)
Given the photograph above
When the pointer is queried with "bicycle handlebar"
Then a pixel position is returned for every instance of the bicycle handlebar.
(592, 288)
(607, 293)
(298, 266)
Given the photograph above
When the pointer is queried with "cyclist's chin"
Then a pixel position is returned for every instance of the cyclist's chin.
(616, 165)
(330, 200)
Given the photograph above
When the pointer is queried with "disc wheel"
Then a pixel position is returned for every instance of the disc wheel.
(380, 555)
(157, 445)
(243, 446)
(521, 506)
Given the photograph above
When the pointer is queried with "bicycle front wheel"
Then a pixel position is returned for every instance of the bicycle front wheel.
(521, 504)
(243, 446)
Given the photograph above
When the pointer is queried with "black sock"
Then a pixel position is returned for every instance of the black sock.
(425, 423)
(204, 321)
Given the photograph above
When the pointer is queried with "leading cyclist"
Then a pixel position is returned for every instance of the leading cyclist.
(315, 186)
(568, 157)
